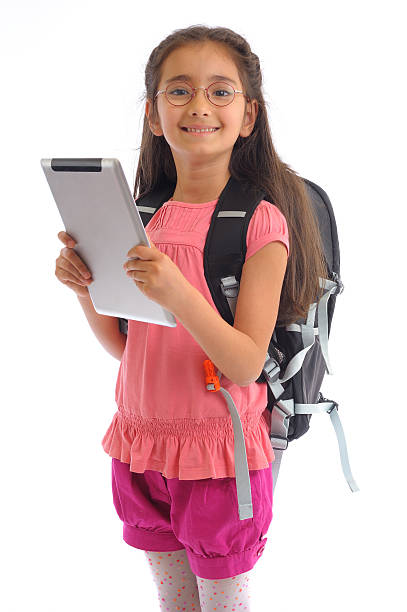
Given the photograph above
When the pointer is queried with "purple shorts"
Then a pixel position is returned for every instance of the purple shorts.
(167, 514)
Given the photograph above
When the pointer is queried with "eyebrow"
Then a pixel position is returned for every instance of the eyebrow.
(187, 77)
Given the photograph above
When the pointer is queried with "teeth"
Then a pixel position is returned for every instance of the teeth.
(203, 130)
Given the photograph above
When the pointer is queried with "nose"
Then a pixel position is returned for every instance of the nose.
(199, 101)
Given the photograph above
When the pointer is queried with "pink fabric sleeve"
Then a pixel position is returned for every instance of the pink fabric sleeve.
(266, 225)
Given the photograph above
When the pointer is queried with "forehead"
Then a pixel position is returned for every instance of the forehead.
(200, 60)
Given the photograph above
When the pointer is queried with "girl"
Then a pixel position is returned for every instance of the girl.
(171, 442)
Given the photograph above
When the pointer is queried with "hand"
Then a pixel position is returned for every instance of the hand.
(70, 269)
(156, 275)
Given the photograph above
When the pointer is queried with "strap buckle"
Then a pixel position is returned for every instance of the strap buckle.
(324, 399)
(339, 282)
(229, 286)
(271, 369)
(278, 442)
(334, 407)
(211, 380)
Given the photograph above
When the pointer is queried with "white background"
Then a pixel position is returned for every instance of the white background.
(71, 80)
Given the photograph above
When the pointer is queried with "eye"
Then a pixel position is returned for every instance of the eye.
(221, 92)
(172, 91)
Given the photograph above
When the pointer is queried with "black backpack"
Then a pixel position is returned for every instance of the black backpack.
(298, 353)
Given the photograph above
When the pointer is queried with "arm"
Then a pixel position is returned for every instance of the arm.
(232, 352)
(239, 352)
(105, 328)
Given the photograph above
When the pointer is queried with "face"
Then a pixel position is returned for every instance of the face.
(200, 61)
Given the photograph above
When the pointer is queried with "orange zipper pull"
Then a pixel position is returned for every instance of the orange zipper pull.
(211, 380)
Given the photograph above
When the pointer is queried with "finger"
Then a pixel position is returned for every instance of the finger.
(133, 274)
(67, 271)
(136, 251)
(73, 258)
(138, 276)
(66, 239)
(83, 291)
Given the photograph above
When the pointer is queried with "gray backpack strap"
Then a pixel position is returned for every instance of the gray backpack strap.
(284, 409)
(327, 405)
(308, 333)
(331, 408)
(243, 488)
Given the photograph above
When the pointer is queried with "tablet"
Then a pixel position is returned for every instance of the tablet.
(98, 210)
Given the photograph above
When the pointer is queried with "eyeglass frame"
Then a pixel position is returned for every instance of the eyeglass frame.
(235, 91)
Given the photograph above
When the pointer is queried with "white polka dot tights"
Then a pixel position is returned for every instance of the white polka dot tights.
(179, 590)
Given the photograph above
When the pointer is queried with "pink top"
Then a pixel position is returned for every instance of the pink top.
(166, 419)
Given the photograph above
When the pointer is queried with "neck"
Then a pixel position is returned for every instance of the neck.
(201, 185)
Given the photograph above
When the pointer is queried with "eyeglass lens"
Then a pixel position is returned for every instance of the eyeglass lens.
(219, 93)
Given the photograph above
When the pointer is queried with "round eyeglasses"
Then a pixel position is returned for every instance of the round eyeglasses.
(218, 93)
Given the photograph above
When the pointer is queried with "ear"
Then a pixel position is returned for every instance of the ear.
(249, 119)
(154, 125)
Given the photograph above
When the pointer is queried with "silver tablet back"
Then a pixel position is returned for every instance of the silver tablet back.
(99, 212)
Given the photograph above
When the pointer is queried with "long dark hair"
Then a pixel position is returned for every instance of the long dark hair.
(253, 159)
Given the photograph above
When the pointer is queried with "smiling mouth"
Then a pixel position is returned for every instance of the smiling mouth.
(204, 131)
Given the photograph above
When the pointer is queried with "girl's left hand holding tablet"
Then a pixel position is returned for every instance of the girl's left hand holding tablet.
(156, 275)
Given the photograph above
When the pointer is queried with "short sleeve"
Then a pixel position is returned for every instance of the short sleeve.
(266, 225)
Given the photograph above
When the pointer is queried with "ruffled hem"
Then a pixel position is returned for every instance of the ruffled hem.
(191, 456)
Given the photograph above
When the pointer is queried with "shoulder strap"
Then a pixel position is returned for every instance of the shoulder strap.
(225, 246)
(149, 203)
